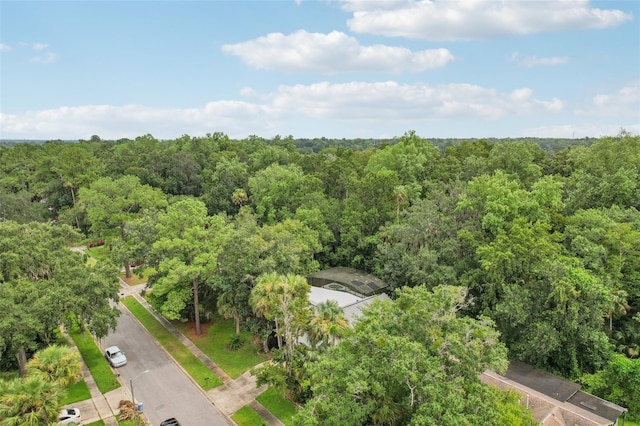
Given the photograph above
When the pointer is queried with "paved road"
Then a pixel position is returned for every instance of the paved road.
(165, 391)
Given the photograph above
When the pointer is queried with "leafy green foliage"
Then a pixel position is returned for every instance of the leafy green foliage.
(542, 233)
(189, 242)
(56, 364)
(412, 361)
(618, 382)
(30, 401)
(43, 282)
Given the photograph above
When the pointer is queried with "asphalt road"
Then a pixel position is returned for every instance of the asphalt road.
(165, 391)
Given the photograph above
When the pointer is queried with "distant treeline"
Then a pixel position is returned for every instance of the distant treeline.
(315, 145)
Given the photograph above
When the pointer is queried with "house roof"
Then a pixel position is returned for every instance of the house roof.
(318, 295)
(351, 304)
(554, 400)
(602, 407)
(348, 279)
(546, 383)
(354, 311)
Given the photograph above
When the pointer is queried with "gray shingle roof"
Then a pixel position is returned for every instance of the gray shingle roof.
(353, 280)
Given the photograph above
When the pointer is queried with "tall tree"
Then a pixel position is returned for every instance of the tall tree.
(111, 204)
(285, 300)
(370, 205)
(606, 174)
(238, 268)
(278, 191)
(411, 361)
(189, 243)
(220, 184)
(290, 248)
(43, 282)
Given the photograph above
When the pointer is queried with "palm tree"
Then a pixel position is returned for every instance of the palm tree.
(261, 299)
(56, 364)
(284, 299)
(400, 193)
(31, 401)
(618, 306)
(239, 197)
(329, 323)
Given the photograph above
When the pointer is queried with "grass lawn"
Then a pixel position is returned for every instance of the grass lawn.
(99, 253)
(93, 357)
(9, 375)
(194, 367)
(246, 416)
(76, 392)
(98, 423)
(138, 278)
(628, 423)
(275, 401)
(214, 342)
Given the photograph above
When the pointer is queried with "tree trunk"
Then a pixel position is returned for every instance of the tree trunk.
(278, 335)
(237, 318)
(610, 323)
(195, 306)
(127, 270)
(22, 361)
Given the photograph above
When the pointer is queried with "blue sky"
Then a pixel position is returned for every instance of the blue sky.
(337, 69)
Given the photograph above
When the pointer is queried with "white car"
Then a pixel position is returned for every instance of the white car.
(115, 356)
(69, 416)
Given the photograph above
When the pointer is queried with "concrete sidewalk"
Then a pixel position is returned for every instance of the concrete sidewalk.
(233, 394)
(228, 398)
(103, 407)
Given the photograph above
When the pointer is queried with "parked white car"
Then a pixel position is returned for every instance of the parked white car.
(69, 416)
(115, 356)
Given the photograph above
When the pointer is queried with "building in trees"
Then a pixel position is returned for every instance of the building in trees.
(553, 400)
(350, 304)
(348, 280)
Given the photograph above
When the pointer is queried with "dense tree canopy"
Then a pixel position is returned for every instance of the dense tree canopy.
(412, 361)
(542, 235)
(43, 282)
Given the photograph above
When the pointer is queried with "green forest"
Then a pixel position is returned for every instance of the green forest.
(494, 250)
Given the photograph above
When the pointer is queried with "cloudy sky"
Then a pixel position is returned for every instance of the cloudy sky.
(332, 68)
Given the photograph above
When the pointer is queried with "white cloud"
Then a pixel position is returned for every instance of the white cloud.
(357, 104)
(39, 46)
(332, 53)
(445, 20)
(392, 100)
(46, 58)
(534, 61)
(579, 130)
(5, 47)
(114, 122)
(625, 102)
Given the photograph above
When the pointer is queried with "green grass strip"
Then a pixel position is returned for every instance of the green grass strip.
(281, 407)
(100, 252)
(76, 392)
(93, 357)
(192, 365)
(216, 346)
(247, 416)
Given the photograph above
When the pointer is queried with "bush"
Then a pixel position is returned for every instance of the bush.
(235, 342)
